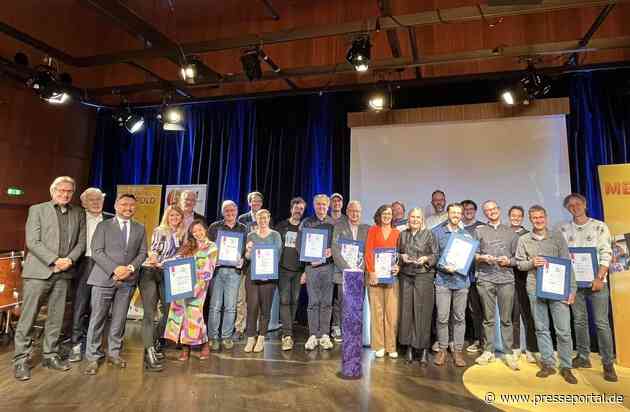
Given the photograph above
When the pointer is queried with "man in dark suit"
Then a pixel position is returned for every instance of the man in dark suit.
(118, 248)
(92, 201)
(55, 238)
(349, 229)
(255, 202)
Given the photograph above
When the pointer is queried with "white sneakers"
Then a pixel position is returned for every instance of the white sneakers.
(393, 355)
(531, 358)
(379, 353)
(485, 358)
(260, 344)
(511, 361)
(287, 343)
(311, 343)
(474, 348)
(325, 342)
(249, 346)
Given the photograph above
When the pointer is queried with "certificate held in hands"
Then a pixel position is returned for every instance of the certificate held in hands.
(264, 262)
(352, 252)
(230, 248)
(459, 253)
(553, 281)
(585, 265)
(179, 279)
(384, 261)
(313, 244)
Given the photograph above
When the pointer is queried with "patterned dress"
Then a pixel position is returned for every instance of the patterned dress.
(185, 322)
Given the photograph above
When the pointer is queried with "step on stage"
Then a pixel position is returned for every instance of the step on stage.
(286, 381)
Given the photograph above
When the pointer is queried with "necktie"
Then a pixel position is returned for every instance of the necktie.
(124, 234)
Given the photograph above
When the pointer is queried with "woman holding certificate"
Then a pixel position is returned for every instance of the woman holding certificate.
(381, 261)
(185, 323)
(418, 253)
(263, 249)
(167, 239)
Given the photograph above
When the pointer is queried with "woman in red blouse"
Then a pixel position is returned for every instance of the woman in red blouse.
(383, 297)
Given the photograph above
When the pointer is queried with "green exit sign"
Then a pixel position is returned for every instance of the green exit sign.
(15, 191)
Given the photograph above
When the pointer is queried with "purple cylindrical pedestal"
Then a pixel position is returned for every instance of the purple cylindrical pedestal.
(352, 324)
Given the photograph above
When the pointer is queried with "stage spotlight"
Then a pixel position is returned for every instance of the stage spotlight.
(532, 85)
(172, 119)
(129, 120)
(251, 64)
(508, 97)
(50, 87)
(377, 102)
(359, 53)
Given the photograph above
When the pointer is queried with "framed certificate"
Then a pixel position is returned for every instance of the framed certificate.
(459, 252)
(585, 265)
(264, 260)
(352, 252)
(179, 279)
(384, 261)
(553, 281)
(313, 244)
(230, 247)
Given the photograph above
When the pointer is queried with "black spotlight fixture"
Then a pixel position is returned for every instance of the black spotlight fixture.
(381, 99)
(359, 54)
(531, 86)
(49, 85)
(129, 120)
(251, 64)
(172, 118)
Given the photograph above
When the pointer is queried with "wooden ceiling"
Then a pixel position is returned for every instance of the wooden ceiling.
(133, 47)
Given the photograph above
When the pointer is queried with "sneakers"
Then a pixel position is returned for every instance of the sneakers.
(485, 358)
(227, 343)
(75, 353)
(393, 355)
(545, 371)
(580, 362)
(475, 347)
(287, 343)
(249, 346)
(436, 346)
(311, 343)
(336, 334)
(511, 361)
(379, 353)
(260, 344)
(325, 342)
(531, 358)
(215, 346)
(517, 354)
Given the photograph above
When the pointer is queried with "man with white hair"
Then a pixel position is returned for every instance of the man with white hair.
(55, 238)
(92, 201)
(226, 282)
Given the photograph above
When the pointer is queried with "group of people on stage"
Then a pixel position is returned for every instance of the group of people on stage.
(102, 258)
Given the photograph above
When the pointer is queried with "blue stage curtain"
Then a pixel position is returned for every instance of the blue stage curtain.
(282, 147)
(598, 130)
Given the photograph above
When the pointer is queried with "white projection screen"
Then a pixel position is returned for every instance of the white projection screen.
(515, 161)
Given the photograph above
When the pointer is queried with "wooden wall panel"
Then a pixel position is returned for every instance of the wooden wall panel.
(39, 143)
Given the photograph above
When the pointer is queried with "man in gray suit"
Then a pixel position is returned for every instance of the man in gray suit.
(55, 238)
(118, 249)
(349, 229)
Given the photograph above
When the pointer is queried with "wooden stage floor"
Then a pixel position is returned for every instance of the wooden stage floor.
(236, 381)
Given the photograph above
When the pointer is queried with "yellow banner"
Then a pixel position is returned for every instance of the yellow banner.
(148, 206)
(614, 181)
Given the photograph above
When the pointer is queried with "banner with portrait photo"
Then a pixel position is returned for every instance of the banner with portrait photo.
(173, 193)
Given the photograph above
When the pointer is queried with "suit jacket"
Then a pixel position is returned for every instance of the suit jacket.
(342, 231)
(108, 252)
(42, 240)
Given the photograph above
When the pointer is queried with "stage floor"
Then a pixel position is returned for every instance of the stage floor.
(236, 381)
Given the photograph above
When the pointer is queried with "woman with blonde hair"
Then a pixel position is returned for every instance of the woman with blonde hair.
(185, 324)
(260, 292)
(166, 240)
(418, 254)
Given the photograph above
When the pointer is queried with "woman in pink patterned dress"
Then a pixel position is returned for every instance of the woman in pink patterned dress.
(185, 324)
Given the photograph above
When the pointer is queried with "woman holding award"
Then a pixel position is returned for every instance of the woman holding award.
(185, 324)
(381, 261)
(418, 254)
(263, 249)
(167, 239)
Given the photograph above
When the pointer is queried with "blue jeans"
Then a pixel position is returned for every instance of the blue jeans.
(561, 315)
(226, 281)
(599, 301)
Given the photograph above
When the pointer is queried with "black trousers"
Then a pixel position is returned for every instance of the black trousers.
(259, 300)
(523, 310)
(289, 290)
(417, 299)
(81, 302)
(475, 311)
(151, 287)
